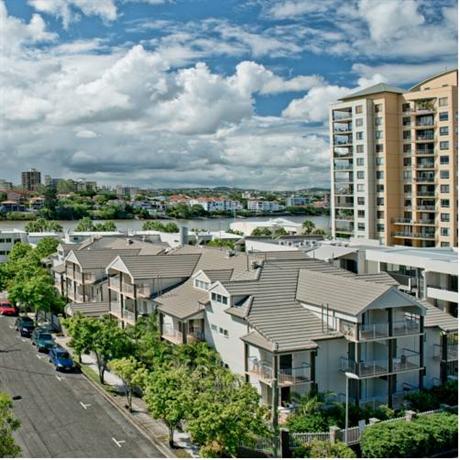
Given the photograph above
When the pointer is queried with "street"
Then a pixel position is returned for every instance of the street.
(61, 414)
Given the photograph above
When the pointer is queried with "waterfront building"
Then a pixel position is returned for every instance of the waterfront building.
(394, 163)
(264, 206)
(31, 180)
(8, 238)
(216, 204)
(293, 200)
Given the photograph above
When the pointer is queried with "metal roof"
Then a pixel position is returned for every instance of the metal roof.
(375, 89)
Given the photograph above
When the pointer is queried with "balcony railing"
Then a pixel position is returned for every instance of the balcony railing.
(407, 360)
(409, 326)
(286, 376)
(171, 334)
(424, 178)
(425, 137)
(424, 152)
(364, 369)
(452, 352)
(341, 115)
(373, 331)
(422, 236)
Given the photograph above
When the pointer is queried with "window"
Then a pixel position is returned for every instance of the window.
(406, 121)
(444, 130)
(361, 226)
(380, 188)
(380, 228)
(359, 109)
(378, 108)
(380, 201)
(360, 188)
(406, 135)
(223, 331)
(444, 145)
(444, 188)
(359, 136)
(444, 174)
(444, 160)
(380, 215)
(359, 122)
(407, 188)
(445, 203)
(406, 107)
(379, 174)
(359, 161)
(379, 161)
(407, 175)
(214, 327)
(443, 116)
(379, 148)
(444, 231)
(378, 121)
(445, 217)
(360, 149)
(361, 213)
(201, 285)
(361, 201)
(379, 134)
(407, 148)
(407, 161)
(442, 102)
(360, 175)
(219, 298)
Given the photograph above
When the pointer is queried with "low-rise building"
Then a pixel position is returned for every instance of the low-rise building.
(246, 227)
(264, 206)
(8, 238)
(295, 201)
(216, 204)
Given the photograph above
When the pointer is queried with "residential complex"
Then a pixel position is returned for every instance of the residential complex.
(282, 320)
(394, 163)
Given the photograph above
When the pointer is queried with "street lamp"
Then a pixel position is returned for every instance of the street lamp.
(348, 375)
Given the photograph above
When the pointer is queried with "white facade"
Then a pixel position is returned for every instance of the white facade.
(264, 206)
(8, 238)
(217, 205)
(246, 227)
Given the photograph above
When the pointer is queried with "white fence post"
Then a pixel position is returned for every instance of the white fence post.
(409, 415)
(333, 432)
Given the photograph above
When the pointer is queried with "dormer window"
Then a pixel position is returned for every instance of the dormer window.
(219, 298)
(201, 285)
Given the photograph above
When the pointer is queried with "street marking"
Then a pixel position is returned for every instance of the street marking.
(85, 406)
(59, 378)
(38, 356)
(118, 443)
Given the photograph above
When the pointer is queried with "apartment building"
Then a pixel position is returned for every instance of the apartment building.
(8, 238)
(216, 204)
(264, 206)
(292, 324)
(31, 180)
(394, 163)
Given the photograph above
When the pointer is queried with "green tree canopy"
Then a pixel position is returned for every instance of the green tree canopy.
(308, 226)
(8, 424)
(261, 231)
(43, 225)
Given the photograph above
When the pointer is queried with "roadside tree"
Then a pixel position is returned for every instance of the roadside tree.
(8, 424)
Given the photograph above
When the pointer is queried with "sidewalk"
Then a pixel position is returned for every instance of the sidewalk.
(154, 429)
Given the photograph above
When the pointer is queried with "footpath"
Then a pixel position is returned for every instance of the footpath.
(154, 430)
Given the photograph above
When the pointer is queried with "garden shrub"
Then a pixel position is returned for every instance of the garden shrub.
(422, 437)
(323, 449)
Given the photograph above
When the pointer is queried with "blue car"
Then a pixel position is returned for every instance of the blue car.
(61, 359)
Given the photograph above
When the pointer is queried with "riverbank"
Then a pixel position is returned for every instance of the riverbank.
(210, 224)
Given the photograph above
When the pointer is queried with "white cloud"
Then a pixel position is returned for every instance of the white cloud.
(314, 106)
(86, 134)
(68, 10)
(292, 8)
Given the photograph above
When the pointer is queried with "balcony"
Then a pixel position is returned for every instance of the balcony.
(414, 235)
(173, 335)
(340, 203)
(343, 228)
(344, 190)
(126, 315)
(408, 360)
(263, 371)
(343, 152)
(452, 352)
(425, 165)
(429, 178)
(341, 115)
(424, 152)
(343, 166)
(343, 127)
(409, 326)
(407, 281)
(78, 277)
(341, 139)
(424, 137)
(442, 294)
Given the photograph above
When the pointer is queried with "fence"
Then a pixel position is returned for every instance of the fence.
(261, 446)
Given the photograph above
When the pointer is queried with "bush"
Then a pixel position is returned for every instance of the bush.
(431, 399)
(322, 449)
(422, 437)
(311, 423)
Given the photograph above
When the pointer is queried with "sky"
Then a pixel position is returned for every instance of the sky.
(187, 93)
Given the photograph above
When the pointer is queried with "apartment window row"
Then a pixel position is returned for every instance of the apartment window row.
(445, 203)
(444, 174)
(223, 331)
(219, 298)
(445, 231)
(4, 253)
(444, 145)
(442, 102)
(445, 217)
(444, 160)
(9, 240)
(445, 189)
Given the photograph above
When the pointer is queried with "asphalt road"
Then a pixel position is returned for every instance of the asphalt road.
(61, 415)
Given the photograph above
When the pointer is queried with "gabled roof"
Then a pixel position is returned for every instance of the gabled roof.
(375, 89)
(98, 259)
(350, 295)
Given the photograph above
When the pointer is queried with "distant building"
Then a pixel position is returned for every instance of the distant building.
(5, 185)
(123, 191)
(52, 181)
(264, 206)
(216, 204)
(86, 186)
(31, 180)
(295, 201)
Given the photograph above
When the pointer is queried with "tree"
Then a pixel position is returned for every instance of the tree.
(169, 227)
(308, 226)
(279, 231)
(81, 331)
(43, 225)
(261, 231)
(108, 226)
(167, 395)
(108, 342)
(46, 246)
(132, 373)
(8, 424)
(85, 225)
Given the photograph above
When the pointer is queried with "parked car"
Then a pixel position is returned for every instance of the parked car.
(25, 326)
(42, 339)
(61, 359)
(7, 309)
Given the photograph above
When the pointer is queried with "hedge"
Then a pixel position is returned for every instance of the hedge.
(422, 437)
(324, 449)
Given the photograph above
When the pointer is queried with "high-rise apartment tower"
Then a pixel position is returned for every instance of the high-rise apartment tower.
(394, 160)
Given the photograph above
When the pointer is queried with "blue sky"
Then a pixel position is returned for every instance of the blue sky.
(200, 92)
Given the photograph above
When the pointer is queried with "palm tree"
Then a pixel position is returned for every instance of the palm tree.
(308, 226)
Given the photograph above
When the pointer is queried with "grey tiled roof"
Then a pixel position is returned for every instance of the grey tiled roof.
(375, 89)
(95, 309)
(437, 318)
(382, 277)
(99, 259)
(119, 243)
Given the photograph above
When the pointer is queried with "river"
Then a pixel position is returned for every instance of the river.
(213, 224)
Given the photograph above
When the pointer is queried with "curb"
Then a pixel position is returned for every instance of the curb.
(163, 449)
